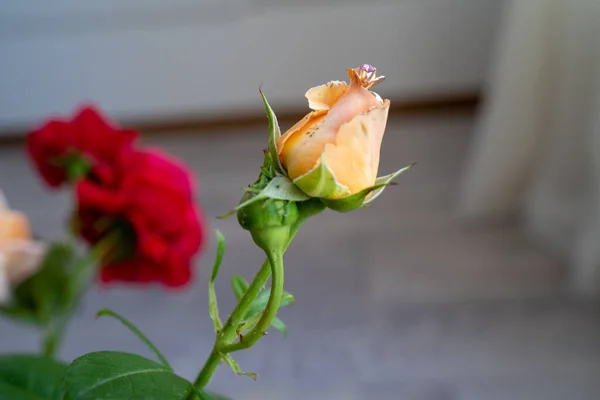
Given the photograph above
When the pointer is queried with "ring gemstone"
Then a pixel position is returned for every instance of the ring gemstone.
(367, 68)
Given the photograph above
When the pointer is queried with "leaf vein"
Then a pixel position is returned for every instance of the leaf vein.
(122, 375)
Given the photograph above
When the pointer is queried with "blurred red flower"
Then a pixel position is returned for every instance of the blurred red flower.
(140, 201)
(150, 205)
(86, 144)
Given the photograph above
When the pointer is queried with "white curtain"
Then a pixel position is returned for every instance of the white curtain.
(536, 151)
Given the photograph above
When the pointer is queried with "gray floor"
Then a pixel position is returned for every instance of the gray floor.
(399, 301)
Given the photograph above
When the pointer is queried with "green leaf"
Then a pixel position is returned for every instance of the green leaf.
(134, 329)
(236, 368)
(385, 181)
(321, 182)
(25, 377)
(274, 134)
(213, 307)
(279, 188)
(10, 392)
(212, 396)
(279, 325)
(122, 376)
(239, 285)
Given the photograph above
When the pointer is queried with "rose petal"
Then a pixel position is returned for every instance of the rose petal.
(323, 97)
(354, 157)
(302, 148)
(92, 196)
(356, 101)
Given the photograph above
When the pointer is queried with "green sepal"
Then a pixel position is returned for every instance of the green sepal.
(321, 182)
(309, 208)
(279, 188)
(75, 164)
(213, 307)
(352, 202)
(384, 181)
(365, 196)
(274, 134)
(236, 368)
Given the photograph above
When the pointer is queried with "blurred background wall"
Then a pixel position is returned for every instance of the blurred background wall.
(151, 59)
(403, 300)
(536, 149)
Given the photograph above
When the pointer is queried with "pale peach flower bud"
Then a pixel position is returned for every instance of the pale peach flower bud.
(20, 256)
(333, 152)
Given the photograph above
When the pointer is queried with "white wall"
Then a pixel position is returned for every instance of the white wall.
(151, 58)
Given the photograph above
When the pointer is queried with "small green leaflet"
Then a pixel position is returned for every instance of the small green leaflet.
(236, 368)
(213, 307)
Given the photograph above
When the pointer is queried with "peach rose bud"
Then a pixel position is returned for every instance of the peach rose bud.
(333, 151)
(20, 256)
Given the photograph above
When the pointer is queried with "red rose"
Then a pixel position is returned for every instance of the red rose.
(89, 141)
(150, 203)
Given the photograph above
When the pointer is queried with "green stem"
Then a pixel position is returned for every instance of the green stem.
(228, 333)
(81, 276)
(51, 341)
(259, 330)
(208, 370)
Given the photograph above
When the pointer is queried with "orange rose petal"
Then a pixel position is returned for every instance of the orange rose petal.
(323, 97)
(307, 121)
(303, 148)
(354, 157)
